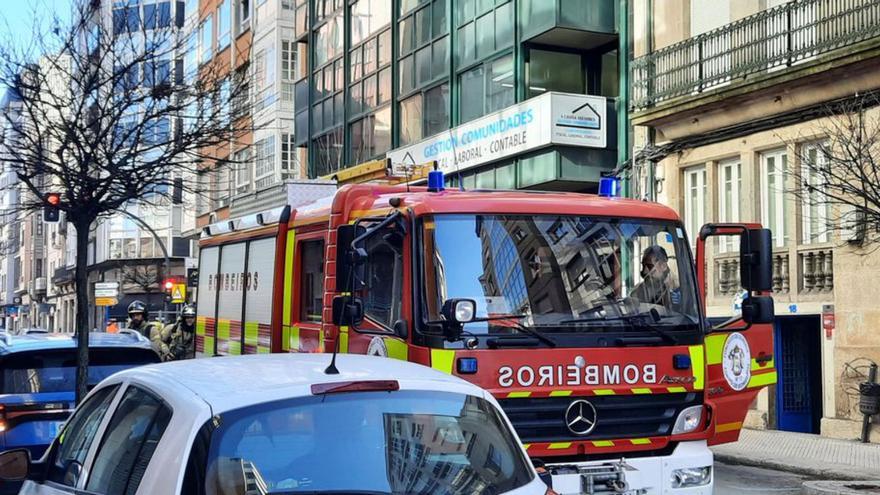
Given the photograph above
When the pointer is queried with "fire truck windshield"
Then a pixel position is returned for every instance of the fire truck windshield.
(561, 274)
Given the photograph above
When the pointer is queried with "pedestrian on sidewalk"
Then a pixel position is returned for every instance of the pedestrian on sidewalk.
(177, 340)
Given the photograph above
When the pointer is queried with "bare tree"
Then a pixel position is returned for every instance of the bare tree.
(837, 171)
(145, 278)
(112, 115)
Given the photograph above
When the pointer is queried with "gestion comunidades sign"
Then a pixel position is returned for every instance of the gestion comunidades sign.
(552, 118)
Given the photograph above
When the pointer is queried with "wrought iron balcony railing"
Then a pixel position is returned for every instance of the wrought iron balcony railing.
(771, 40)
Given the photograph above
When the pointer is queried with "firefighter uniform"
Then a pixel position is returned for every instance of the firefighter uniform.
(177, 340)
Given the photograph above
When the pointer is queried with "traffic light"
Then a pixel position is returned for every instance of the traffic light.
(51, 213)
(192, 277)
(169, 286)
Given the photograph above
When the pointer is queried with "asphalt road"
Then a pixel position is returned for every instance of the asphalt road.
(734, 480)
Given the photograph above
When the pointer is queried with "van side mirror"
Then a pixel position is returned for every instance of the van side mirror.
(346, 258)
(756, 260)
(15, 465)
(758, 310)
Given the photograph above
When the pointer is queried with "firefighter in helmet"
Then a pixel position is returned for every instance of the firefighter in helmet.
(137, 319)
(177, 340)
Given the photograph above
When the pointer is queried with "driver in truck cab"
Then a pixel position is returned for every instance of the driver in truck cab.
(658, 285)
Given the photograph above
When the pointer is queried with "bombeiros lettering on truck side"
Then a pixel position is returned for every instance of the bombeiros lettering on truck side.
(574, 376)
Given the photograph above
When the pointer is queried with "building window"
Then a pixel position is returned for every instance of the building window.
(368, 17)
(127, 19)
(487, 88)
(289, 161)
(203, 203)
(555, 71)
(224, 15)
(205, 40)
(371, 136)
(241, 160)
(773, 215)
(694, 202)
(424, 114)
(264, 164)
(242, 97)
(222, 185)
(301, 20)
(328, 40)
(244, 15)
(815, 207)
(157, 73)
(483, 29)
(729, 189)
(157, 15)
(328, 151)
(424, 46)
(288, 69)
(191, 58)
(264, 78)
(370, 75)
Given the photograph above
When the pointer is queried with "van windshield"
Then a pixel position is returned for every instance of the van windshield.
(366, 442)
(563, 274)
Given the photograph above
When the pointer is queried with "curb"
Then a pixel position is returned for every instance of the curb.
(840, 488)
(827, 472)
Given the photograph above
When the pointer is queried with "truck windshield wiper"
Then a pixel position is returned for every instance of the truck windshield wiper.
(639, 320)
(520, 327)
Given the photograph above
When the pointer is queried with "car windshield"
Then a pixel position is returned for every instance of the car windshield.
(45, 371)
(560, 273)
(366, 442)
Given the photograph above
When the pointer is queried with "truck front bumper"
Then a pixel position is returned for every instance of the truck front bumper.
(687, 471)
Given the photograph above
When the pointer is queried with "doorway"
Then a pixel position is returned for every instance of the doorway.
(799, 369)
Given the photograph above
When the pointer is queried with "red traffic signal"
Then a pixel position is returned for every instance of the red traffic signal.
(51, 213)
(169, 284)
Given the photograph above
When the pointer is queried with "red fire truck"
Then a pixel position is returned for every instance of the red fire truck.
(583, 314)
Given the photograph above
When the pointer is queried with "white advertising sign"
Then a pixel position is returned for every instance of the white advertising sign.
(552, 118)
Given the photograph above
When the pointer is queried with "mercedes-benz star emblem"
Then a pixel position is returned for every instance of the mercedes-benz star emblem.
(580, 417)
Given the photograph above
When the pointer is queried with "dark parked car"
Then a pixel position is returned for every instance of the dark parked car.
(39, 377)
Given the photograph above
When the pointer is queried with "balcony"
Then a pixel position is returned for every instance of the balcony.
(801, 274)
(62, 276)
(580, 24)
(796, 34)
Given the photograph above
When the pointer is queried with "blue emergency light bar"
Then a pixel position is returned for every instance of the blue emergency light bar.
(435, 181)
(609, 187)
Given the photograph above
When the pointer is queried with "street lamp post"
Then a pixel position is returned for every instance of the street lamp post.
(144, 224)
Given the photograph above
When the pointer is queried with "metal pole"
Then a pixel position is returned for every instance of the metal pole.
(143, 224)
(866, 420)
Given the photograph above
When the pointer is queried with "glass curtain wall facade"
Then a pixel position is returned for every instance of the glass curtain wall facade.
(380, 74)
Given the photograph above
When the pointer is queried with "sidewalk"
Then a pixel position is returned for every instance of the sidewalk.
(812, 455)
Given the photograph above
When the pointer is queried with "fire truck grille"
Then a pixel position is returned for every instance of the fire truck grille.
(617, 416)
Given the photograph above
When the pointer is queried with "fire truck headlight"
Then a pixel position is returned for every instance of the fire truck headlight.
(688, 420)
(688, 477)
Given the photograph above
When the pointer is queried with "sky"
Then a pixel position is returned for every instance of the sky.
(17, 18)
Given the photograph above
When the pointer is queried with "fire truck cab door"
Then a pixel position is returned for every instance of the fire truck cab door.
(739, 358)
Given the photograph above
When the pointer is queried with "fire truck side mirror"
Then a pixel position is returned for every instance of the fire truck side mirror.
(757, 310)
(345, 256)
(756, 260)
(347, 311)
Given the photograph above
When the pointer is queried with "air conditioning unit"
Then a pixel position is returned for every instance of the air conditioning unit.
(40, 284)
